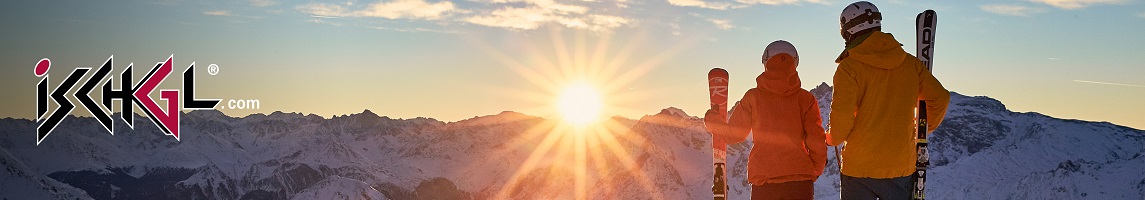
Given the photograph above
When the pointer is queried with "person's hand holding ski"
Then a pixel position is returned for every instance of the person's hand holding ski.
(714, 122)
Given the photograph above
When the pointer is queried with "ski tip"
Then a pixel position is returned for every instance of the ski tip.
(928, 12)
(928, 15)
(718, 70)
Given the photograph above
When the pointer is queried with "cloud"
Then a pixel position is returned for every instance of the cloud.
(218, 13)
(1012, 10)
(1141, 15)
(330, 10)
(415, 30)
(537, 13)
(321, 21)
(227, 15)
(410, 9)
(507, 14)
(533, 17)
(1107, 83)
(608, 21)
(621, 3)
(513, 18)
(781, 2)
(548, 5)
(262, 3)
(675, 28)
(739, 3)
(720, 23)
(1077, 4)
(700, 4)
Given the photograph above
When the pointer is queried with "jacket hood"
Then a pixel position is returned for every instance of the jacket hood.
(880, 50)
(779, 75)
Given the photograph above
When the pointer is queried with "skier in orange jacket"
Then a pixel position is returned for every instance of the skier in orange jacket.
(789, 150)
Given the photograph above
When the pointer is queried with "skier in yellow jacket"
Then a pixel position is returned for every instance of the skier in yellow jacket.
(877, 88)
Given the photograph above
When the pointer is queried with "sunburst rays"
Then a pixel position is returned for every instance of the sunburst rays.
(590, 152)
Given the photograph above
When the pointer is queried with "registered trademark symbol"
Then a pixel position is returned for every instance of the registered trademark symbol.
(213, 69)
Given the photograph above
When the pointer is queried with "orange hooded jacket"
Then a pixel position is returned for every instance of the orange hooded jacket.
(877, 87)
(784, 119)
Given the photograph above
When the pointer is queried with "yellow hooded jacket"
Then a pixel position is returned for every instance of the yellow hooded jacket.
(877, 88)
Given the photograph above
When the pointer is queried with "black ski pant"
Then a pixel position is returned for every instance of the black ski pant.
(871, 188)
(794, 190)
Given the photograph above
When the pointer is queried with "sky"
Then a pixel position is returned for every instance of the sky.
(456, 59)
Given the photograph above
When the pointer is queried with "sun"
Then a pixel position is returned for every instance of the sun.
(577, 81)
(580, 104)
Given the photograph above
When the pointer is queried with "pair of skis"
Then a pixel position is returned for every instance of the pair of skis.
(924, 27)
(925, 24)
(718, 94)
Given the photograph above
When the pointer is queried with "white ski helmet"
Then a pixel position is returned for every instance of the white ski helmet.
(857, 17)
(778, 47)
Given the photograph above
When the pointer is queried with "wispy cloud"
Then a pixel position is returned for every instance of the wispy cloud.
(321, 9)
(718, 5)
(675, 28)
(537, 13)
(507, 14)
(722, 24)
(621, 3)
(262, 3)
(719, 23)
(324, 17)
(701, 4)
(532, 17)
(229, 16)
(513, 18)
(319, 20)
(411, 9)
(1107, 83)
(414, 30)
(782, 2)
(1012, 10)
(218, 13)
(1141, 15)
(1076, 4)
(547, 5)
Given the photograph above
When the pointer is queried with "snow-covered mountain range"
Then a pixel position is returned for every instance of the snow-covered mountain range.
(981, 151)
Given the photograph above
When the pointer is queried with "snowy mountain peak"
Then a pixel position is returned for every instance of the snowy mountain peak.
(822, 90)
(673, 111)
(207, 114)
(20, 182)
(512, 114)
(368, 113)
(500, 118)
(983, 103)
(822, 85)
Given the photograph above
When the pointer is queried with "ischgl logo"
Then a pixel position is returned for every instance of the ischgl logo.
(128, 95)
